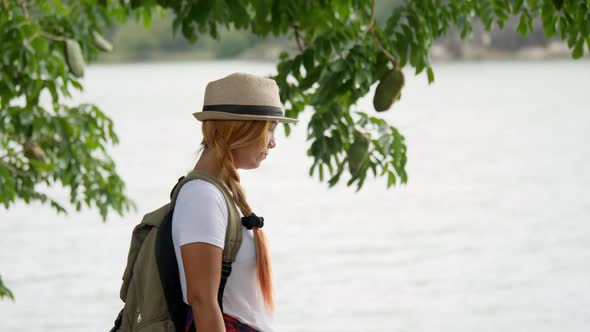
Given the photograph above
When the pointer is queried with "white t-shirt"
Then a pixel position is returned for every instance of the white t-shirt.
(200, 215)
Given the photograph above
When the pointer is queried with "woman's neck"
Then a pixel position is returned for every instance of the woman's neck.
(208, 164)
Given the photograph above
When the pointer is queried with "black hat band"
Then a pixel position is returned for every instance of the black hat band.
(245, 109)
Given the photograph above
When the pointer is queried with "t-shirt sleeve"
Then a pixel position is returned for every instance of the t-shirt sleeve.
(200, 214)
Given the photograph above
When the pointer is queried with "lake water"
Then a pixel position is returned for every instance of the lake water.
(491, 233)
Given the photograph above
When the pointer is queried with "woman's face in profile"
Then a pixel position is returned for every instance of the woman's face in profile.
(250, 157)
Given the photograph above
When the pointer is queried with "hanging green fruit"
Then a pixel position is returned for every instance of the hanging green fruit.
(101, 43)
(388, 90)
(358, 152)
(74, 57)
(33, 151)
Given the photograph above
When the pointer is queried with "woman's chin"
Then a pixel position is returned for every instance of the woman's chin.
(253, 165)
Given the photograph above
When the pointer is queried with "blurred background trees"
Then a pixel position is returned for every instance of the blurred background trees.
(135, 41)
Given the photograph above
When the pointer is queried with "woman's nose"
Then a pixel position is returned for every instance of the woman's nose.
(271, 144)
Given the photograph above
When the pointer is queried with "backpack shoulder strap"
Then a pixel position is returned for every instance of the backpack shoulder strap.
(233, 234)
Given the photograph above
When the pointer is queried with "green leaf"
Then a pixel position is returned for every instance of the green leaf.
(522, 27)
(332, 182)
(373, 168)
(517, 6)
(4, 291)
(572, 38)
(390, 179)
(467, 29)
(430, 74)
(548, 19)
(147, 17)
(312, 168)
(578, 50)
(563, 27)
(352, 180)
(287, 128)
(362, 178)
(308, 60)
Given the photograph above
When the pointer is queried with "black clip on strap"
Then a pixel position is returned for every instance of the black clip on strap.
(118, 322)
(225, 272)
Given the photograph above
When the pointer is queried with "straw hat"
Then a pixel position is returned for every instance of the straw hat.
(242, 96)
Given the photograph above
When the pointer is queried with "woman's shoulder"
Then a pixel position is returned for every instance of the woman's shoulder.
(200, 214)
(202, 194)
(201, 188)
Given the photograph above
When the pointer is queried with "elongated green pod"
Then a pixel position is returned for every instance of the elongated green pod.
(74, 57)
(101, 43)
(388, 90)
(358, 152)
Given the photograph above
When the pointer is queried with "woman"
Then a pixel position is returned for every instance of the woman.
(240, 114)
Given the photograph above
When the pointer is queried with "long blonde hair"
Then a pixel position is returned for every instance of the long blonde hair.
(223, 136)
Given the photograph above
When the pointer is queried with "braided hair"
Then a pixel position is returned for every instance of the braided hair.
(223, 136)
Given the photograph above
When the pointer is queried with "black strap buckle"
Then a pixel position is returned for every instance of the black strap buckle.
(225, 272)
(225, 269)
(118, 322)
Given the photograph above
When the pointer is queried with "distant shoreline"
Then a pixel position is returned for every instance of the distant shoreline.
(438, 54)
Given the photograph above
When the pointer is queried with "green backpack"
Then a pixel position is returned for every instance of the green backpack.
(151, 285)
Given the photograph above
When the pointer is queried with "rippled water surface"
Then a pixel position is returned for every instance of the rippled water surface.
(491, 233)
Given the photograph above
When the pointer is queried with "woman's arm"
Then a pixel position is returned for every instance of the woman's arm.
(202, 268)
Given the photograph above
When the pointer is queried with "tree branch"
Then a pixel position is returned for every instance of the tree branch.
(387, 54)
(372, 22)
(24, 7)
(298, 37)
(52, 37)
(371, 30)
